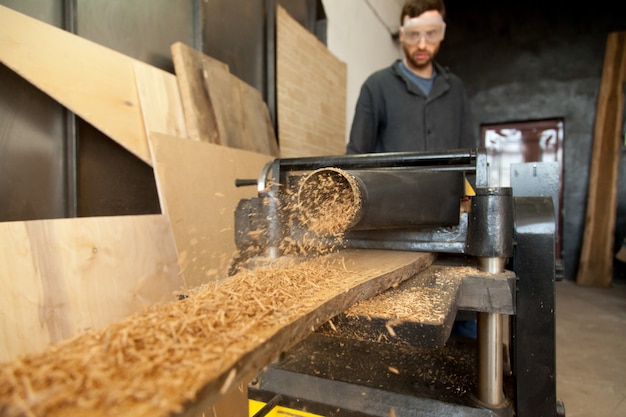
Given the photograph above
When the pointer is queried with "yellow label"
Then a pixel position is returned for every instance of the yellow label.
(278, 411)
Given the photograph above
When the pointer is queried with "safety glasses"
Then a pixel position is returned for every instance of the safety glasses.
(413, 34)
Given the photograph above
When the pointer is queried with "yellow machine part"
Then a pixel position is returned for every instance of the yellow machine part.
(278, 411)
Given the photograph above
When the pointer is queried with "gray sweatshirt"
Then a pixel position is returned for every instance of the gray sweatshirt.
(393, 114)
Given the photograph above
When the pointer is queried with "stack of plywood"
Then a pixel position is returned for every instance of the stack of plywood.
(62, 277)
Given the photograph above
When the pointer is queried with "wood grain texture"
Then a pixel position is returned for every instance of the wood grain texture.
(159, 97)
(242, 116)
(196, 186)
(188, 65)
(219, 107)
(311, 92)
(596, 258)
(61, 276)
(95, 82)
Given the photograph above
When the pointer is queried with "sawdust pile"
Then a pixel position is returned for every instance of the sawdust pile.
(154, 361)
(329, 201)
(424, 301)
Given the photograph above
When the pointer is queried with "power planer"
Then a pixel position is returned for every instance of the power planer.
(438, 202)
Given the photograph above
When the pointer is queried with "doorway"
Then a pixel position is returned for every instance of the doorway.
(511, 146)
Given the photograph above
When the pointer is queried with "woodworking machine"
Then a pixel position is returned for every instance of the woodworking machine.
(438, 202)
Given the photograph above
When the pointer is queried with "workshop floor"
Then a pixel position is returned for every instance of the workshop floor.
(591, 350)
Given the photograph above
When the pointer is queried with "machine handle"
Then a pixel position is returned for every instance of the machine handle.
(245, 183)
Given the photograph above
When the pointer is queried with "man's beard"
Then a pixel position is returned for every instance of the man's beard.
(418, 65)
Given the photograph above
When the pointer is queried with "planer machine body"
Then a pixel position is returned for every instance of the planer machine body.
(438, 202)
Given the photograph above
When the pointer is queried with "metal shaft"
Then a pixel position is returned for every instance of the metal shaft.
(490, 357)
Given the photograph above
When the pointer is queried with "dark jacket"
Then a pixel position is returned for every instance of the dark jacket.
(393, 114)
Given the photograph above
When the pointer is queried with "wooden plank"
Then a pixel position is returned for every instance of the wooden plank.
(419, 312)
(62, 276)
(161, 107)
(596, 258)
(242, 116)
(95, 82)
(196, 186)
(219, 107)
(311, 92)
(199, 116)
(191, 352)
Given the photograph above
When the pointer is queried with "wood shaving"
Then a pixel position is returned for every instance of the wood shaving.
(424, 299)
(153, 362)
(329, 201)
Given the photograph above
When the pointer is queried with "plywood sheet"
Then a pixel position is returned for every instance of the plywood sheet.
(95, 82)
(311, 93)
(196, 185)
(160, 102)
(62, 276)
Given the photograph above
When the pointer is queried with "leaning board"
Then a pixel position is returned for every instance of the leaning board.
(196, 186)
(62, 276)
(95, 82)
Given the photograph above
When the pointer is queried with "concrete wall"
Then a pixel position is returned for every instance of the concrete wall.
(520, 61)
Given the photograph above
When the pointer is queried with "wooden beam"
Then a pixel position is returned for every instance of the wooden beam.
(596, 258)
(95, 82)
(60, 277)
(187, 354)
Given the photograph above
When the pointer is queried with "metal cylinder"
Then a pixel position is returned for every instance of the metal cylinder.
(382, 199)
(490, 223)
(490, 389)
(490, 362)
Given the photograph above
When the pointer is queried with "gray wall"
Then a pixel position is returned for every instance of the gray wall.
(520, 61)
(55, 164)
(536, 60)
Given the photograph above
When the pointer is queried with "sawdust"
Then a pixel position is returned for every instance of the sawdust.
(424, 300)
(329, 201)
(160, 358)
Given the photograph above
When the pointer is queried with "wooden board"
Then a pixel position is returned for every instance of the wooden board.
(207, 343)
(188, 65)
(596, 258)
(419, 312)
(219, 107)
(159, 97)
(62, 276)
(311, 92)
(242, 116)
(95, 82)
(196, 186)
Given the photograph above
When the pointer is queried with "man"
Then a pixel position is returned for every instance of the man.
(416, 104)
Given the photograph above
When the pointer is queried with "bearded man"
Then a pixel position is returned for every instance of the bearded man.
(415, 104)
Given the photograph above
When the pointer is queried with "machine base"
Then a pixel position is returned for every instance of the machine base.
(336, 376)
